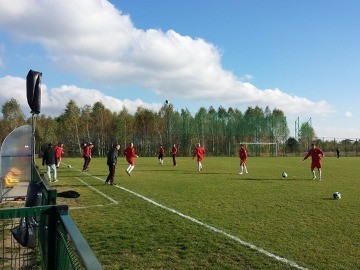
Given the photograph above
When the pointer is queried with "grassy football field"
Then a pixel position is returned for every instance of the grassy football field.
(166, 217)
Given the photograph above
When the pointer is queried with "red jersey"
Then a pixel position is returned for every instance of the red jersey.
(199, 153)
(242, 153)
(58, 151)
(130, 155)
(87, 150)
(316, 155)
(174, 150)
(162, 150)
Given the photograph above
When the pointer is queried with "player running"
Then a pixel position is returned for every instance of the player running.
(59, 151)
(130, 158)
(87, 155)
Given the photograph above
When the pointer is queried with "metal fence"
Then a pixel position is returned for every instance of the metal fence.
(44, 236)
(333, 147)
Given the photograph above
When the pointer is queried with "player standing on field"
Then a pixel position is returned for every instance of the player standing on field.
(130, 158)
(161, 155)
(174, 152)
(243, 157)
(199, 153)
(316, 155)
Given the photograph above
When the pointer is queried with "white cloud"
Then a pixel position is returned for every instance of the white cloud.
(93, 39)
(53, 102)
(348, 114)
(339, 133)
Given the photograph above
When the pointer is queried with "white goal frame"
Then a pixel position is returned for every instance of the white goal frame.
(262, 143)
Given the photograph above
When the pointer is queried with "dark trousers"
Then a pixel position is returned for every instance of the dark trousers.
(174, 160)
(111, 175)
(86, 162)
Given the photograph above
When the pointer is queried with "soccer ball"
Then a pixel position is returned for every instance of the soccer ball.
(284, 174)
(69, 166)
(336, 196)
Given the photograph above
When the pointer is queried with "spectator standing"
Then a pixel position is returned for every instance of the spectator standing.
(337, 152)
(111, 162)
(49, 160)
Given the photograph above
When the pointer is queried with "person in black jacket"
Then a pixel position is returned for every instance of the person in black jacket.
(111, 162)
(49, 160)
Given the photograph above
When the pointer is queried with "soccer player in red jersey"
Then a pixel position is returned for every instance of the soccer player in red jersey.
(174, 152)
(87, 155)
(199, 153)
(243, 157)
(59, 151)
(161, 155)
(316, 155)
(130, 156)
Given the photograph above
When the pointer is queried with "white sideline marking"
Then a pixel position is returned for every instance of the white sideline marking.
(91, 206)
(235, 238)
(98, 191)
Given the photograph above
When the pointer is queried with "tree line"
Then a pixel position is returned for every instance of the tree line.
(219, 130)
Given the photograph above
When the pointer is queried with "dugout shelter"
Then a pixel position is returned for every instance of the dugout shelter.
(15, 160)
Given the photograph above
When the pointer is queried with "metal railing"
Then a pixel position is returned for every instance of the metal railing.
(43, 237)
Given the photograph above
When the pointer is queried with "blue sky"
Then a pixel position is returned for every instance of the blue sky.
(301, 57)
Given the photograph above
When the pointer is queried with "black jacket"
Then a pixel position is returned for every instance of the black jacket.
(49, 156)
(112, 157)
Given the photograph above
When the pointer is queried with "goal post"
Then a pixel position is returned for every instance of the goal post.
(261, 149)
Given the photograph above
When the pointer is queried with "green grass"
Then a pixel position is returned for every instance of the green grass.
(294, 218)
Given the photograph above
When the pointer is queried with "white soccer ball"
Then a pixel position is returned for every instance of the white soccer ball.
(336, 196)
(69, 166)
(284, 174)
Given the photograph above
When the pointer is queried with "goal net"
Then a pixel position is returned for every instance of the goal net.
(261, 149)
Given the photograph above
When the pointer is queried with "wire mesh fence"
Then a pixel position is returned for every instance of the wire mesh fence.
(42, 235)
(18, 248)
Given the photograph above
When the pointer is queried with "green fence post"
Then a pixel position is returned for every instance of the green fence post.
(53, 215)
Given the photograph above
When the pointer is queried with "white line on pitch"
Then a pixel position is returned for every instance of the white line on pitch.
(98, 191)
(90, 206)
(235, 238)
